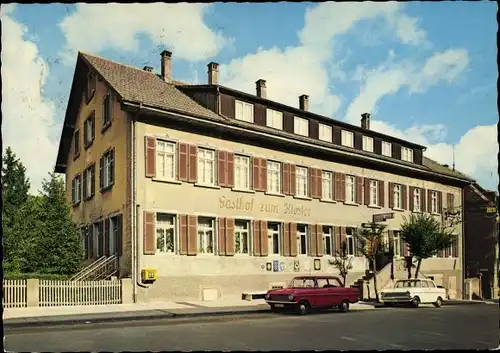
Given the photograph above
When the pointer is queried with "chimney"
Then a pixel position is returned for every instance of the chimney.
(166, 66)
(148, 68)
(304, 102)
(261, 88)
(365, 121)
(213, 73)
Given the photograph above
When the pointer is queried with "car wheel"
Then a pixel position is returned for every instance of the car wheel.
(438, 302)
(303, 308)
(344, 306)
(415, 302)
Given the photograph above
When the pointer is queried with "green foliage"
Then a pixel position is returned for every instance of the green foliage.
(342, 261)
(370, 240)
(36, 276)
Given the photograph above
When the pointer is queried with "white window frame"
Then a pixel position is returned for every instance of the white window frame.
(417, 200)
(301, 126)
(434, 202)
(301, 181)
(109, 160)
(202, 239)
(239, 233)
(241, 172)
(88, 178)
(243, 111)
(168, 152)
(453, 245)
(302, 235)
(406, 154)
(326, 185)
(328, 235)
(350, 241)
(274, 170)
(373, 194)
(205, 161)
(396, 243)
(77, 189)
(347, 138)
(325, 133)
(166, 226)
(273, 235)
(386, 149)
(398, 196)
(350, 181)
(89, 129)
(274, 119)
(368, 143)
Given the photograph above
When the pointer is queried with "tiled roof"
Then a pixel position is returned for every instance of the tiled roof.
(137, 85)
(441, 169)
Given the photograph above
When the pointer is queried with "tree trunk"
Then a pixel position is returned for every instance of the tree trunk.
(343, 279)
(375, 279)
(417, 270)
(408, 266)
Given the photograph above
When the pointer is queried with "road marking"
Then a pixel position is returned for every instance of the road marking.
(395, 345)
(347, 338)
(430, 333)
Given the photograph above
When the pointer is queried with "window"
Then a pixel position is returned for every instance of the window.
(416, 200)
(327, 241)
(76, 186)
(301, 181)
(114, 229)
(406, 154)
(274, 177)
(76, 143)
(273, 233)
(398, 199)
(325, 133)
(165, 160)
(205, 235)
(89, 130)
(386, 149)
(91, 85)
(244, 111)
(274, 119)
(242, 237)
(107, 170)
(397, 244)
(165, 233)
(350, 241)
(107, 111)
(347, 138)
(367, 144)
(434, 202)
(89, 182)
(373, 193)
(350, 188)
(302, 239)
(326, 179)
(206, 166)
(241, 172)
(301, 126)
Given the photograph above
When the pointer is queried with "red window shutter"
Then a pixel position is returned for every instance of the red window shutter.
(230, 236)
(404, 197)
(222, 236)
(337, 238)
(455, 246)
(150, 147)
(183, 236)
(334, 186)
(192, 235)
(293, 239)
(359, 190)
(338, 186)
(367, 191)
(286, 179)
(342, 187)
(183, 162)
(319, 240)
(319, 183)
(406, 250)
(391, 195)
(256, 237)
(311, 189)
(263, 174)
(230, 170)
(410, 198)
(256, 174)
(222, 168)
(264, 251)
(293, 180)
(381, 193)
(313, 243)
(451, 201)
(423, 199)
(286, 239)
(343, 236)
(192, 163)
(447, 252)
(149, 233)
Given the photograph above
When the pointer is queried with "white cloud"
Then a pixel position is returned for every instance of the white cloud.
(179, 27)
(27, 116)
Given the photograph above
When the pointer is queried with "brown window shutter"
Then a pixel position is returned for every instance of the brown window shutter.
(311, 182)
(286, 239)
(229, 236)
(319, 240)
(192, 163)
(429, 200)
(319, 183)
(440, 253)
(410, 198)
(404, 197)
(256, 173)
(423, 199)
(285, 180)
(230, 169)
(256, 237)
(391, 195)
(105, 230)
(293, 180)
(450, 201)
(447, 252)
(313, 243)
(439, 202)
(455, 246)
(406, 250)
(359, 190)
(334, 186)
(222, 236)
(338, 183)
(381, 193)
(342, 187)
(367, 191)
(263, 174)
(183, 162)
(192, 235)
(293, 239)
(222, 173)
(183, 236)
(264, 251)
(343, 235)
(391, 240)
(150, 147)
(119, 235)
(149, 233)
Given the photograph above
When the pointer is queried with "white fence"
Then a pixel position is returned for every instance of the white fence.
(15, 293)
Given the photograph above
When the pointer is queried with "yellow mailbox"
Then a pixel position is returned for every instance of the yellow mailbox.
(149, 275)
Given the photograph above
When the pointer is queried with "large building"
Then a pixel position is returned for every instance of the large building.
(222, 192)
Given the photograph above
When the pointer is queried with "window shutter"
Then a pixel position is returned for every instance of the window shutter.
(411, 198)
(286, 239)
(192, 163)
(439, 202)
(342, 187)
(319, 183)
(367, 191)
(73, 191)
(455, 246)
(222, 168)
(192, 236)
(293, 239)
(285, 180)
(101, 173)
(106, 223)
(404, 197)
(406, 249)
(447, 252)
(112, 167)
(256, 237)
(293, 180)
(451, 203)
(319, 240)
(429, 200)
(230, 170)
(150, 147)
(85, 196)
(334, 186)
(183, 162)
(359, 190)
(149, 233)
(222, 236)
(355, 243)
(391, 195)
(91, 241)
(119, 235)
(336, 240)
(338, 182)
(440, 253)
(183, 228)
(423, 199)
(381, 193)
(100, 246)
(230, 236)
(311, 182)
(313, 243)
(390, 237)
(256, 173)
(92, 180)
(264, 251)
(343, 236)
(263, 175)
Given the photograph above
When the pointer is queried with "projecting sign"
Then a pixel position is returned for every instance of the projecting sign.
(491, 209)
(382, 217)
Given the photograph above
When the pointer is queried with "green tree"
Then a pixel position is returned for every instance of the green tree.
(342, 261)
(30, 225)
(370, 244)
(425, 237)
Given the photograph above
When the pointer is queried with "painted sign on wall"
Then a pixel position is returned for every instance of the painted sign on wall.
(249, 204)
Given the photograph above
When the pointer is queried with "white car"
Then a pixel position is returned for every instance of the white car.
(414, 292)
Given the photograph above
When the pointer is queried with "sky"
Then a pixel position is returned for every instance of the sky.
(426, 71)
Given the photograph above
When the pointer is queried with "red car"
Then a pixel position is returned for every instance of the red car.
(312, 292)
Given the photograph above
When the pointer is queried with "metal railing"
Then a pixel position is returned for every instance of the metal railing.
(89, 268)
(103, 268)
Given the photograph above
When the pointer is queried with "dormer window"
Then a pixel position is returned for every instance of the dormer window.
(386, 149)
(274, 119)
(244, 111)
(406, 154)
(301, 126)
(367, 144)
(325, 133)
(91, 86)
(347, 138)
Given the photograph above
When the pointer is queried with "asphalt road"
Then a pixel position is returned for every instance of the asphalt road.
(452, 327)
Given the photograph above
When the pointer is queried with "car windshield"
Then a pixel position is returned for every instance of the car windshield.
(302, 283)
(408, 284)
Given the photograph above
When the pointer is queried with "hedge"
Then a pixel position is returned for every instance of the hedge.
(46, 276)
